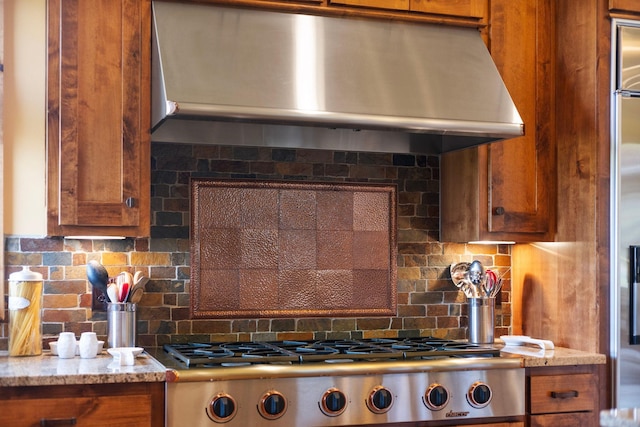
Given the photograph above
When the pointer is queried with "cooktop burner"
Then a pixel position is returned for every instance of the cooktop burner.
(295, 352)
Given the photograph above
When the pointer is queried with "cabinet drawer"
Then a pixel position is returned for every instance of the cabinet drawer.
(581, 419)
(562, 393)
(132, 410)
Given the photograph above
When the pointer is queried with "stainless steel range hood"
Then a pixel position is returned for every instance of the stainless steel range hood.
(239, 76)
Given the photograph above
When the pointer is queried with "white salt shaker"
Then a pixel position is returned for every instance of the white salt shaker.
(88, 345)
(66, 345)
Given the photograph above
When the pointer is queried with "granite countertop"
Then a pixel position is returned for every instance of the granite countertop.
(620, 418)
(535, 357)
(48, 369)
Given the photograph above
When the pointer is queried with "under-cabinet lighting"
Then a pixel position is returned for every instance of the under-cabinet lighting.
(492, 242)
(95, 237)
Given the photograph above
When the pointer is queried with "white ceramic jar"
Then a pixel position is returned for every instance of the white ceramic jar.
(88, 345)
(66, 345)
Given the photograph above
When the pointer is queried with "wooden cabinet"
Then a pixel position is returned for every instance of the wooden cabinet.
(563, 396)
(460, 8)
(98, 119)
(131, 404)
(624, 6)
(506, 190)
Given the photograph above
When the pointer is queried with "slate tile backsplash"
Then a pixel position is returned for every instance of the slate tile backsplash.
(428, 302)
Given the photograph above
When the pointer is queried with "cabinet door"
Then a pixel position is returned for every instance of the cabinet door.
(520, 171)
(624, 5)
(506, 190)
(382, 4)
(465, 8)
(98, 117)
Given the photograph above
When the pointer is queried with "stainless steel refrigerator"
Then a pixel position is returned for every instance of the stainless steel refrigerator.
(625, 213)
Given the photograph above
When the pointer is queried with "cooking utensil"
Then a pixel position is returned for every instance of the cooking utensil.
(458, 272)
(138, 289)
(477, 274)
(490, 283)
(97, 275)
(112, 292)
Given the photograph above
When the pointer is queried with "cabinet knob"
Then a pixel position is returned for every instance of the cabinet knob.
(498, 210)
(130, 202)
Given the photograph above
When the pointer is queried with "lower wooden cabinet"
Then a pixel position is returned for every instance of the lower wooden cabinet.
(131, 405)
(563, 396)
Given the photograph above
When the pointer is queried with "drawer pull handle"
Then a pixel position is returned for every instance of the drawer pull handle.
(52, 422)
(564, 394)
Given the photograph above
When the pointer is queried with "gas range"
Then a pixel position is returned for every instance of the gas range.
(340, 383)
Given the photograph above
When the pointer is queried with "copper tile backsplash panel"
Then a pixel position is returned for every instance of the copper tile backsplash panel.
(292, 249)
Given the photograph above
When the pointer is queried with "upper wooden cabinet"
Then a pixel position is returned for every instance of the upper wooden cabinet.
(632, 6)
(506, 190)
(98, 140)
(461, 8)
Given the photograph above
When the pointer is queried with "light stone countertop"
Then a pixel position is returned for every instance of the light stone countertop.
(620, 418)
(48, 369)
(536, 357)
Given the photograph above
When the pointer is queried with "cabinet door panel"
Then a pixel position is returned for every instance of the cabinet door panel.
(624, 5)
(519, 169)
(98, 124)
(382, 4)
(466, 8)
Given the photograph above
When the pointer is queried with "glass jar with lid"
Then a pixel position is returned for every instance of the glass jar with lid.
(25, 303)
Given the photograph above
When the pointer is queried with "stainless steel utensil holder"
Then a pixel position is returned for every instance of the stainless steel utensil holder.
(121, 324)
(482, 319)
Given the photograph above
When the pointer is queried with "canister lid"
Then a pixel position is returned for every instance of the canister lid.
(25, 275)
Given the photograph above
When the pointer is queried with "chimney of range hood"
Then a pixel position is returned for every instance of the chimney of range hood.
(229, 76)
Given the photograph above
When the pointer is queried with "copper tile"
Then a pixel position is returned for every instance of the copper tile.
(258, 289)
(371, 250)
(335, 250)
(335, 289)
(371, 211)
(370, 289)
(297, 249)
(219, 208)
(219, 290)
(220, 248)
(297, 289)
(297, 210)
(259, 209)
(258, 248)
(335, 210)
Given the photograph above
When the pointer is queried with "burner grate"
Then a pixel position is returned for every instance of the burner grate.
(295, 352)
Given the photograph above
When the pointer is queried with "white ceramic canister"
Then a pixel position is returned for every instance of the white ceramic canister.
(67, 345)
(88, 345)
(25, 303)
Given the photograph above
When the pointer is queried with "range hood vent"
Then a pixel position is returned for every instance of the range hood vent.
(228, 75)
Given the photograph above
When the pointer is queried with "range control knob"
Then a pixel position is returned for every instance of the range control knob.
(380, 400)
(333, 402)
(479, 395)
(436, 397)
(222, 408)
(272, 405)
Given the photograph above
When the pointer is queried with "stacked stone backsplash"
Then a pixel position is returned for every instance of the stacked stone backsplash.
(428, 302)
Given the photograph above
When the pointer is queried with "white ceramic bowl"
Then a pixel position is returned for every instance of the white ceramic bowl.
(53, 345)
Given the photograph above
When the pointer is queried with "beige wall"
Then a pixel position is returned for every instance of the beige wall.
(24, 117)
